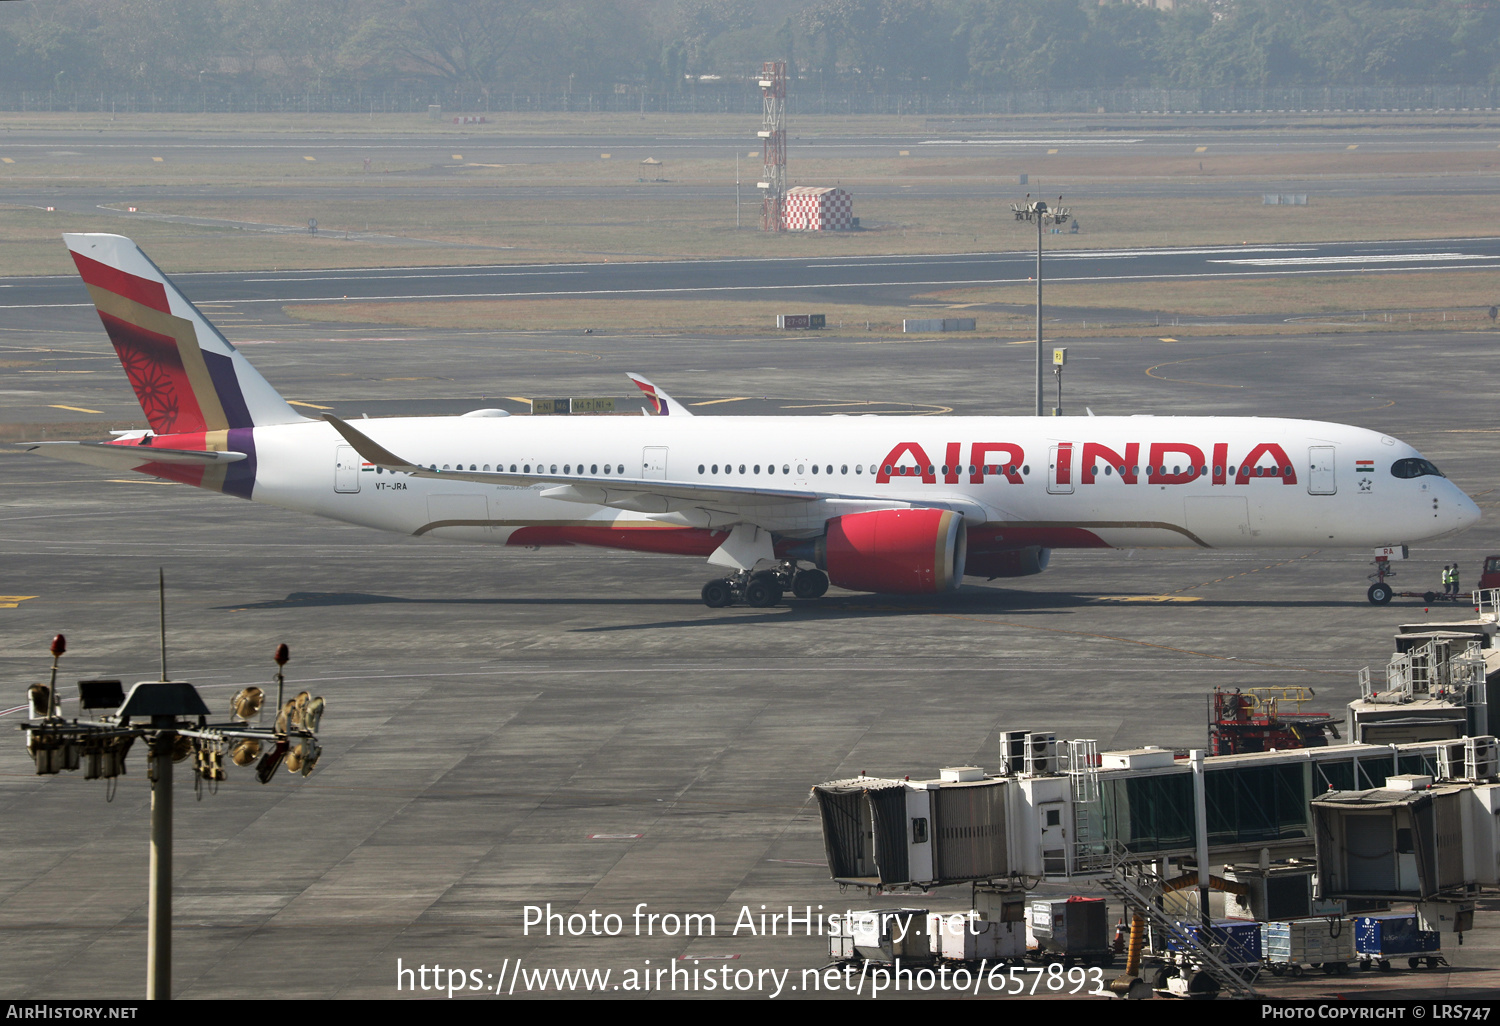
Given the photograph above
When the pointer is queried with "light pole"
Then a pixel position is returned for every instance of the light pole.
(1042, 215)
(172, 720)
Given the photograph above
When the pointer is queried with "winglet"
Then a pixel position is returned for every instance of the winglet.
(663, 403)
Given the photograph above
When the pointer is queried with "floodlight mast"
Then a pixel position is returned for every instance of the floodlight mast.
(164, 714)
(1042, 215)
(159, 901)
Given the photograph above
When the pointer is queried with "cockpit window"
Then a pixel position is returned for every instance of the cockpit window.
(1414, 468)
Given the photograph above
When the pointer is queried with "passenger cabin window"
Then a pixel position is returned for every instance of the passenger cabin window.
(1414, 468)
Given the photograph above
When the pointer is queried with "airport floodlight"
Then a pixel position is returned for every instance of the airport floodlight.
(246, 703)
(1039, 213)
(173, 721)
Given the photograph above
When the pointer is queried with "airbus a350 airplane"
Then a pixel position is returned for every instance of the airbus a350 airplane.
(897, 505)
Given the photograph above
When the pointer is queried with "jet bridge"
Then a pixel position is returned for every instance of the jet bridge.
(1060, 811)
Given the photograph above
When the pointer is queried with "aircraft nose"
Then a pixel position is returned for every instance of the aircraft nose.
(1467, 511)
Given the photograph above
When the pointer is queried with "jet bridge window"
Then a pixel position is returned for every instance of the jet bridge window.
(1409, 468)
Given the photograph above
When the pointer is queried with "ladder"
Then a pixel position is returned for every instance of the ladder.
(1126, 869)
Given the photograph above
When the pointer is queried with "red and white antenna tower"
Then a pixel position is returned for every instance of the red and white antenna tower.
(773, 146)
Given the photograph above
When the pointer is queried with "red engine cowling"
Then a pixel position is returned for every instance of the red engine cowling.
(896, 551)
(1009, 563)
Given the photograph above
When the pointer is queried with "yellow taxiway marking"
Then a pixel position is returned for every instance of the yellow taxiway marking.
(311, 160)
(1150, 373)
(157, 160)
(1148, 598)
(1166, 340)
(1051, 151)
(310, 406)
(6, 160)
(75, 409)
(1352, 146)
(517, 399)
(458, 156)
(604, 156)
(904, 153)
(715, 402)
(1201, 149)
(136, 480)
(12, 601)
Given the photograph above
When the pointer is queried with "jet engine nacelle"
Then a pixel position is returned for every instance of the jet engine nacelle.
(895, 551)
(1010, 563)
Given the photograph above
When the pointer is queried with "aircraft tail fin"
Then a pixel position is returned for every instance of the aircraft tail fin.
(662, 404)
(187, 376)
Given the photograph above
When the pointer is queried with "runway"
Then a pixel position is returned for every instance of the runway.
(844, 279)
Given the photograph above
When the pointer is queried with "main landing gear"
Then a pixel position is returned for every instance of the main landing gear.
(764, 588)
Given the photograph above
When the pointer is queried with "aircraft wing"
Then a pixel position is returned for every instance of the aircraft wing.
(112, 456)
(649, 495)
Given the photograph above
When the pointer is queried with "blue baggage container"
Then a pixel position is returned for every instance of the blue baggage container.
(1240, 939)
(1393, 934)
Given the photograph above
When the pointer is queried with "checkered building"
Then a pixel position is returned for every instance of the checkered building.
(818, 210)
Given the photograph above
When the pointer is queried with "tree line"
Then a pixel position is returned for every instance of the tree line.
(664, 47)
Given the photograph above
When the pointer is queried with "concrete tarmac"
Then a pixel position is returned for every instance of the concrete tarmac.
(569, 726)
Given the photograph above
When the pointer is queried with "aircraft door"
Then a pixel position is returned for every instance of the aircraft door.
(654, 463)
(346, 464)
(1320, 480)
(1060, 469)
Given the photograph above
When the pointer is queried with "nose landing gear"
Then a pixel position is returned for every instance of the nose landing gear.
(1380, 592)
(765, 588)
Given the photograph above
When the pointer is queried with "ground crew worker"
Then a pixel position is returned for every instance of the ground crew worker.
(1447, 578)
(1454, 578)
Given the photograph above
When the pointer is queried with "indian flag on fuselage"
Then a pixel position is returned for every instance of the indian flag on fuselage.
(196, 390)
(1364, 466)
